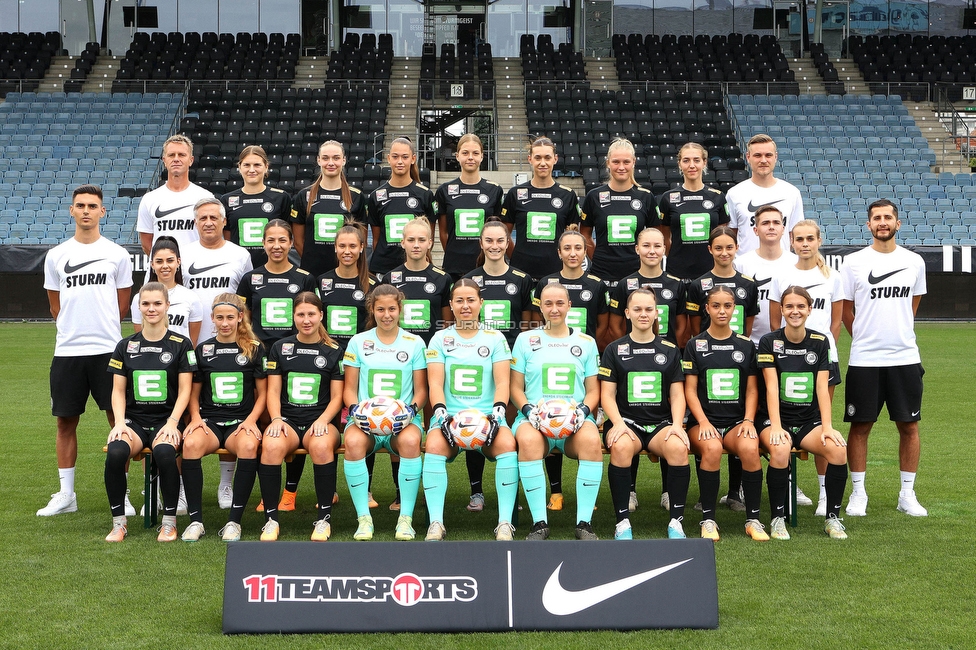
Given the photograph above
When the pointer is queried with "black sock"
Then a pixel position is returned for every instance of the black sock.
(193, 487)
(269, 477)
(115, 485)
(370, 463)
(247, 471)
(678, 479)
(293, 472)
(752, 492)
(164, 456)
(634, 467)
(325, 487)
(554, 470)
(395, 470)
(619, 479)
(476, 471)
(778, 485)
(735, 477)
(664, 474)
(708, 489)
(835, 481)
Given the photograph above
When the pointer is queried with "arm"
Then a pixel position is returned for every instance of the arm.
(748, 426)
(125, 297)
(694, 323)
(592, 397)
(676, 394)
(776, 315)
(250, 423)
(376, 235)
(420, 387)
(587, 232)
(517, 389)
(442, 234)
(169, 433)
(320, 426)
(608, 398)
(836, 316)
(54, 301)
(848, 316)
(511, 244)
(618, 327)
(666, 231)
(193, 410)
(777, 435)
(435, 382)
(298, 234)
(350, 389)
(915, 301)
(146, 238)
(748, 328)
(603, 330)
(827, 429)
(121, 430)
(277, 426)
(501, 371)
(682, 330)
(705, 428)
(194, 327)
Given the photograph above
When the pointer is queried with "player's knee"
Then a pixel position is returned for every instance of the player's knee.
(675, 452)
(117, 456)
(437, 443)
(247, 446)
(164, 455)
(621, 454)
(503, 443)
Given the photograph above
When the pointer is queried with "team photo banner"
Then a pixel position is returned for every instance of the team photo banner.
(293, 587)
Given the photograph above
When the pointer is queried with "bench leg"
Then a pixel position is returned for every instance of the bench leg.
(792, 500)
(152, 501)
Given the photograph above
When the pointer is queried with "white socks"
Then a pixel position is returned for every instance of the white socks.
(227, 472)
(67, 477)
(857, 483)
(907, 482)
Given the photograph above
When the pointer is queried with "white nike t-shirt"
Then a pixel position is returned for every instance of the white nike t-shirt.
(165, 212)
(184, 308)
(208, 272)
(87, 278)
(747, 197)
(882, 286)
(825, 291)
(762, 271)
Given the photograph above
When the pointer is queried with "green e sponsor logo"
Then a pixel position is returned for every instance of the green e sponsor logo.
(722, 385)
(558, 378)
(276, 312)
(327, 226)
(644, 387)
(468, 223)
(416, 314)
(540, 225)
(694, 227)
(576, 317)
(340, 319)
(251, 232)
(796, 387)
(303, 388)
(663, 319)
(738, 320)
(466, 381)
(384, 382)
(621, 228)
(394, 227)
(149, 385)
(227, 387)
(497, 314)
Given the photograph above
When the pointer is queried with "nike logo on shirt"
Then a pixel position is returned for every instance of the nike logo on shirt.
(875, 279)
(813, 286)
(69, 269)
(561, 602)
(753, 208)
(196, 271)
(162, 214)
(760, 283)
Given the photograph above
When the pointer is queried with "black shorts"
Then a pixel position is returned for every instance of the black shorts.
(73, 379)
(222, 429)
(146, 431)
(898, 387)
(301, 429)
(834, 378)
(643, 434)
(721, 430)
(797, 431)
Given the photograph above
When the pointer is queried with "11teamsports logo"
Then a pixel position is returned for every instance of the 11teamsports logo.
(405, 589)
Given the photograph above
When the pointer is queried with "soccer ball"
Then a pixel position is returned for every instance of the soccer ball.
(558, 417)
(378, 415)
(470, 429)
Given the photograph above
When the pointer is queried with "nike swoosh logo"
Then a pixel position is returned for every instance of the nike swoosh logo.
(760, 283)
(290, 358)
(195, 271)
(705, 354)
(69, 269)
(813, 286)
(626, 358)
(507, 484)
(356, 485)
(532, 489)
(134, 356)
(753, 208)
(408, 479)
(875, 279)
(562, 602)
(915, 413)
(161, 214)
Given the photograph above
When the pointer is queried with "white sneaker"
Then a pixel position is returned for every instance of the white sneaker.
(857, 505)
(193, 532)
(821, 506)
(60, 503)
(436, 532)
(225, 496)
(802, 499)
(130, 510)
(908, 504)
(181, 503)
(666, 501)
(231, 532)
(504, 532)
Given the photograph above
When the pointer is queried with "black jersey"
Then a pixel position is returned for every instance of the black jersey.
(464, 209)
(691, 217)
(152, 371)
(669, 293)
(345, 305)
(270, 299)
(746, 298)
(226, 376)
(425, 294)
(797, 365)
(644, 373)
(539, 216)
(616, 218)
(248, 214)
(505, 298)
(723, 368)
(588, 294)
(322, 224)
(389, 209)
(307, 371)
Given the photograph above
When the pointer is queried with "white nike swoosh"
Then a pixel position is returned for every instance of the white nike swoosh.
(705, 354)
(915, 413)
(562, 602)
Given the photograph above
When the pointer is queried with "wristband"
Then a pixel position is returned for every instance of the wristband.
(436, 406)
(585, 409)
(500, 405)
(173, 419)
(748, 420)
(526, 410)
(277, 418)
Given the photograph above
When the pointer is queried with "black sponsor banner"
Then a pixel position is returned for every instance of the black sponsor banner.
(469, 586)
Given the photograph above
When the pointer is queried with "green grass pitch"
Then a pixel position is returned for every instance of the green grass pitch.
(898, 582)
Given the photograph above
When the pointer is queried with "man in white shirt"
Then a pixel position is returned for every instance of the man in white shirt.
(882, 286)
(168, 209)
(762, 189)
(88, 279)
(212, 266)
